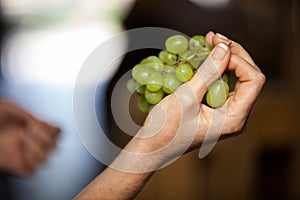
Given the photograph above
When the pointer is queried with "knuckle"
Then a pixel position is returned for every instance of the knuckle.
(261, 78)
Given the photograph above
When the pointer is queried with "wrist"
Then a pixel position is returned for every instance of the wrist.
(137, 157)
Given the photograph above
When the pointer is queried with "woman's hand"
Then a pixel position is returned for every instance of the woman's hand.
(181, 122)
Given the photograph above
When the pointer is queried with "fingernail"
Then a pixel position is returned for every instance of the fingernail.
(221, 36)
(220, 51)
(211, 33)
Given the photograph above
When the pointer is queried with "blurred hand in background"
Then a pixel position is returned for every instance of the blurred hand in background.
(24, 140)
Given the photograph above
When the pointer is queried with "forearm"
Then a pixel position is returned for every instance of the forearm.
(125, 177)
(116, 185)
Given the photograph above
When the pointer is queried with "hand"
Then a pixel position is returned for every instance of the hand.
(180, 122)
(24, 140)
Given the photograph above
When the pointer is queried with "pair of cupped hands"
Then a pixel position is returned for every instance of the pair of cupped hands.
(25, 141)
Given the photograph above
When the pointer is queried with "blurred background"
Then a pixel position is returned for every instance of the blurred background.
(44, 44)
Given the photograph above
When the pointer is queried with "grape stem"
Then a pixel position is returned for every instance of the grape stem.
(193, 56)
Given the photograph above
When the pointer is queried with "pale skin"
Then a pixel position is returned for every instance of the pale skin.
(25, 141)
(182, 107)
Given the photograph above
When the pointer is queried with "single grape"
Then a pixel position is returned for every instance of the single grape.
(168, 57)
(151, 59)
(143, 105)
(131, 85)
(155, 82)
(142, 74)
(140, 89)
(171, 83)
(198, 42)
(136, 69)
(207, 47)
(224, 77)
(217, 94)
(184, 72)
(156, 66)
(176, 44)
(153, 97)
(153, 62)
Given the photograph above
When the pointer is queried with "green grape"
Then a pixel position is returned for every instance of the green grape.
(155, 82)
(184, 72)
(140, 89)
(142, 74)
(168, 57)
(156, 76)
(143, 105)
(207, 47)
(217, 94)
(131, 85)
(136, 69)
(198, 42)
(151, 59)
(153, 97)
(171, 83)
(153, 62)
(192, 57)
(224, 77)
(156, 66)
(169, 68)
(176, 44)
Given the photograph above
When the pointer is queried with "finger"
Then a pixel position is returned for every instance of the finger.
(28, 165)
(209, 37)
(43, 133)
(16, 113)
(11, 148)
(212, 68)
(251, 82)
(37, 153)
(235, 48)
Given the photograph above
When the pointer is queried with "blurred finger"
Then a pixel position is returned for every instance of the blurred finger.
(11, 149)
(28, 165)
(33, 148)
(43, 133)
(14, 111)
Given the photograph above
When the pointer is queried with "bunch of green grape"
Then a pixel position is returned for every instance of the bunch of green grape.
(157, 76)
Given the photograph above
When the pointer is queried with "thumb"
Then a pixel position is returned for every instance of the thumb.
(211, 69)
